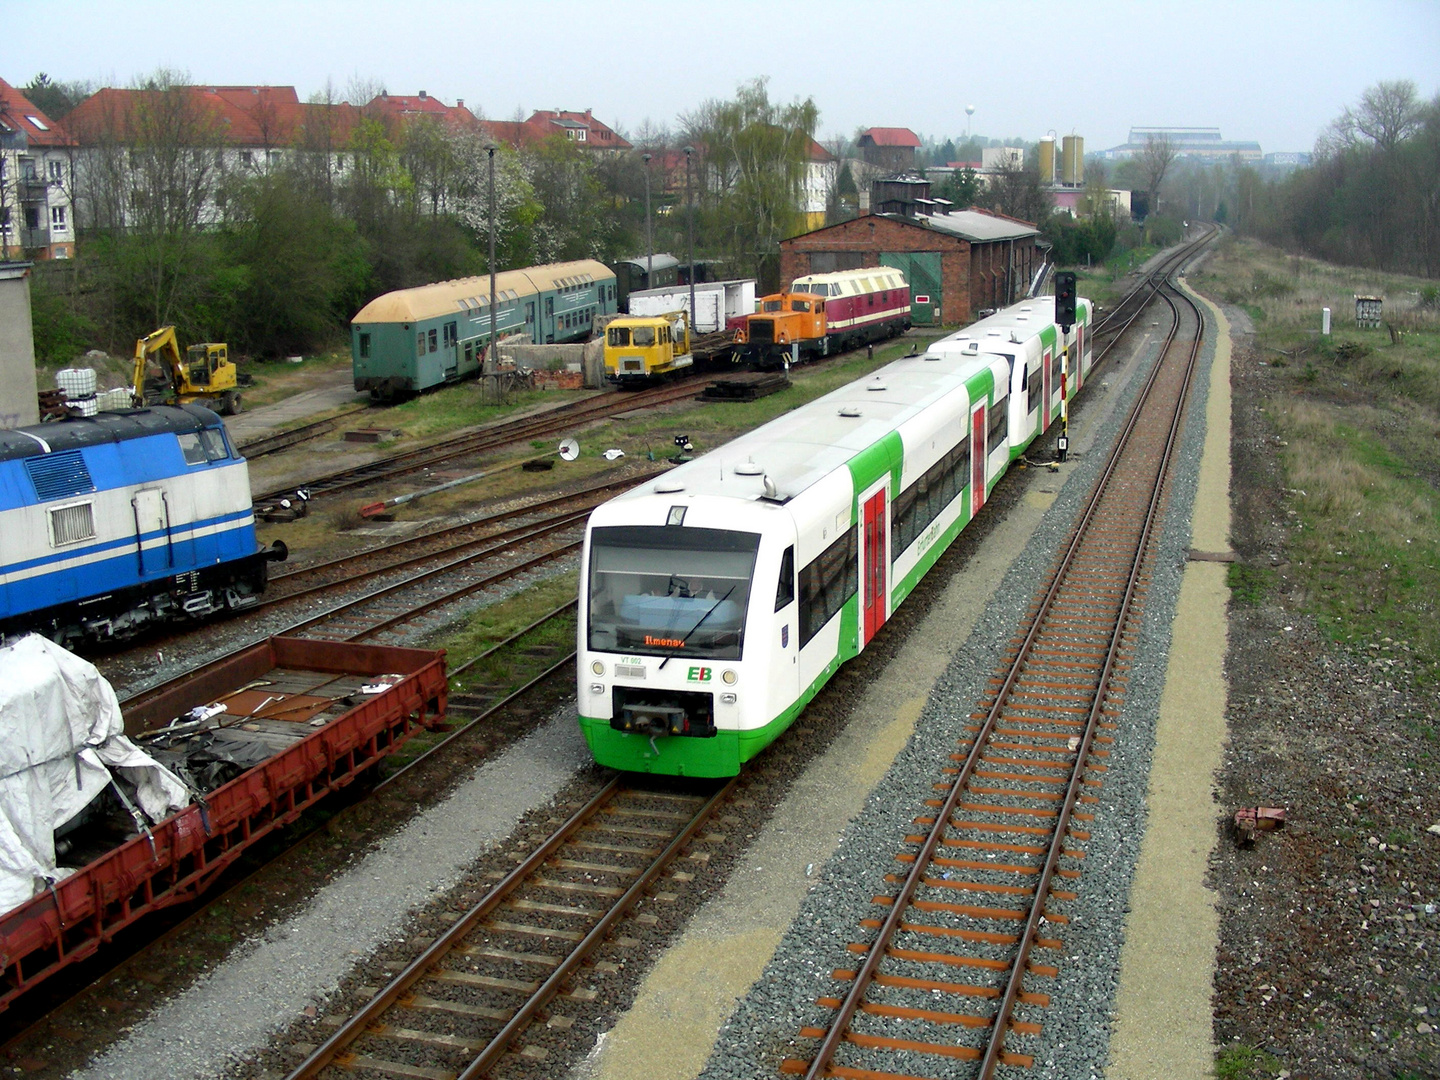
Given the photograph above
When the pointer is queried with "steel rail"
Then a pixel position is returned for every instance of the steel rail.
(280, 440)
(996, 1044)
(329, 1051)
(875, 954)
(512, 431)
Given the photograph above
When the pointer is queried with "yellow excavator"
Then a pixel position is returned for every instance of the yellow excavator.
(204, 374)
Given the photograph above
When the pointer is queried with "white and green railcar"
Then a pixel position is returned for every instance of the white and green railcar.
(717, 600)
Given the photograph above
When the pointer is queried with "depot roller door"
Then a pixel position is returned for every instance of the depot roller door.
(922, 271)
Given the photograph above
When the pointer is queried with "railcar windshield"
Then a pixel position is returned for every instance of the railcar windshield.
(670, 590)
(619, 336)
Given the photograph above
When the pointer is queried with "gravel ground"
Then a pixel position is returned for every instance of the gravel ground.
(1330, 929)
(1075, 1038)
(220, 1021)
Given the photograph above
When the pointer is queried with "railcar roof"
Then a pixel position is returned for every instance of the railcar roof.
(663, 261)
(796, 450)
(449, 297)
(105, 427)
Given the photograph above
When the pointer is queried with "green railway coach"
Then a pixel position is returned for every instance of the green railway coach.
(410, 340)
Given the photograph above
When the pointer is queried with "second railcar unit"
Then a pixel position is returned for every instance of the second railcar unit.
(120, 520)
(410, 340)
(644, 272)
(717, 599)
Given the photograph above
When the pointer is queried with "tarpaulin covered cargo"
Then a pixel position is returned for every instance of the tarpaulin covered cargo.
(322, 711)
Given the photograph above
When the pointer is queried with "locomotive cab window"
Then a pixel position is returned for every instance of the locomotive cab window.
(801, 305)
(664, 590)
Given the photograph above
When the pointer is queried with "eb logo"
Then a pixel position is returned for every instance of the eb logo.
(699, 674)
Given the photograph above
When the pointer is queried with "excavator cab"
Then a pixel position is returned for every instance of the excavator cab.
(207, 365)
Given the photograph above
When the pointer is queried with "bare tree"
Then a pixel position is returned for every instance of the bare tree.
(1388, 112)
(1154, 161)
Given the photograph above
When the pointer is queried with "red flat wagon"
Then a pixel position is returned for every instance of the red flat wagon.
(328, 711)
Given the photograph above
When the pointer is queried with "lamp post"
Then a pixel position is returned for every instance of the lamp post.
(649, 239)
(690, 234)
(491, 366)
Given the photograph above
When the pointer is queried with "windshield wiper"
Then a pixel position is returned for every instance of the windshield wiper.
(676, 651)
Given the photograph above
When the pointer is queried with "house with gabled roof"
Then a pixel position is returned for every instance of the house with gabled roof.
(889, 149)
(36, 216)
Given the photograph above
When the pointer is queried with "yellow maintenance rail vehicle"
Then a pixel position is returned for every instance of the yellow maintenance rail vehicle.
(204, 375)
(641, 349)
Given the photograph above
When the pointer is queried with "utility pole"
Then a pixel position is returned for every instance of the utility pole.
(649, 238)
(690, 232)
(492, 366)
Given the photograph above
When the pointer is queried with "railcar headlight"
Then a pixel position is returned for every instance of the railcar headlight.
(731, 677)
(597, 688)
(727, 699)
(598, 668)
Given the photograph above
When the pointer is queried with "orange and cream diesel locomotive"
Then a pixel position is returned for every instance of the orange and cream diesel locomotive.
(825, 313)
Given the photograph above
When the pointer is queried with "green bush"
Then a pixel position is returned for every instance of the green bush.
(61, 333)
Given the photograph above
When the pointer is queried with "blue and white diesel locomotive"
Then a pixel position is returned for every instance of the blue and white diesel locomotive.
(717, 599)
(121, 520)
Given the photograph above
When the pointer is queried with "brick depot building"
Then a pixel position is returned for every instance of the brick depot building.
(959, 263)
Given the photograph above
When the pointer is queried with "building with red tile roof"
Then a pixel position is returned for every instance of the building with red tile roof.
(889, 149)
(36, 216)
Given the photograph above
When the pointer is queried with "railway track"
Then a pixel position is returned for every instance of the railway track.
(491, 438)
(283, 440)
(957, 961)
(459, 1007)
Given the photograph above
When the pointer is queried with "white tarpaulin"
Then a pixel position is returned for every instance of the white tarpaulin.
(60, 727)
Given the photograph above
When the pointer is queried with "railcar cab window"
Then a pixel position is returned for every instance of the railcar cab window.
(619, 336)
(644, 335)
(207, 444)
(785, 591)
(663, 590)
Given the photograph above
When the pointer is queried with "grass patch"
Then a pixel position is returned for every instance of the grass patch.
(492, 625)
(1357, 413)
(1368, 535)
(1249, 585)
(1245, 1063)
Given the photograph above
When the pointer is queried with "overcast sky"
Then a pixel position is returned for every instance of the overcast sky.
(1276, 71)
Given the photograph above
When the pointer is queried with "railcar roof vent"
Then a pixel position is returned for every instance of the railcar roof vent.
(972, 346)
(849, 410)
(992, 333)
(876, 383)
(748, 468)
(668, 487)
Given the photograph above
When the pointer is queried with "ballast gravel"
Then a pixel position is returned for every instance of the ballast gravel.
(229, 1016)
(1073, 1044)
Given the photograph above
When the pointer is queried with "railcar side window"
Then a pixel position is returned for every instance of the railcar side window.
(999, 427)
(785, 592)
(924, 500)
(191, 448)
(420, 343)
(830, 580)
(434, 347)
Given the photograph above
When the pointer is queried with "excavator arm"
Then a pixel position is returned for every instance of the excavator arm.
(162, 345)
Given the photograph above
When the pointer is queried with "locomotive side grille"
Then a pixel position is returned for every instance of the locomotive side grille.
(58, 476)
(71, 524)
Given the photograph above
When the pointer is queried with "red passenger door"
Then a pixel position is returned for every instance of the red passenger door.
(978, 452)
(874, 565)
(1049, 401)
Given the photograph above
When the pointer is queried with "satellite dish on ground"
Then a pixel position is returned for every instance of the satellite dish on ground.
(569, 450)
